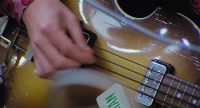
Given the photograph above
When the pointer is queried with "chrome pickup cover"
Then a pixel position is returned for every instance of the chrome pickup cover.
(150, 84)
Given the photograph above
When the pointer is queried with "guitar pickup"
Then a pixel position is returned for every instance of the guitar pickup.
(151, 82)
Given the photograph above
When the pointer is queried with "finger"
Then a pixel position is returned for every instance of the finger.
(44, 68)
(64, 44)
(75, 31)
(57, 60)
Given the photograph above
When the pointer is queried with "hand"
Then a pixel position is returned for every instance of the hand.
(56, 37)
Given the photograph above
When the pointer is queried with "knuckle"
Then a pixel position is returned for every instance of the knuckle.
(44, 29)
(48, 27)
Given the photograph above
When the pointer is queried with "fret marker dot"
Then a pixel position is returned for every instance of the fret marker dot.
(194, 101)
(178, 95)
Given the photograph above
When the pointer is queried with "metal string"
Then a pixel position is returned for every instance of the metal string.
(136, 64)
(24, 31)
(134, 89)
(138, 73)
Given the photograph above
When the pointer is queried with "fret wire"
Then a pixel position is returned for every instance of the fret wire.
(198, 96)
(114, 72)
(24, 30)
(129, 70)
(129, 78)
(133, 79)
(167, 92)
(181, 96)
(173, 81)
(175, 91)
(187, 85)
(181, 79)
(137, 64)
(186, 90)
(183, 83)
(192, 94)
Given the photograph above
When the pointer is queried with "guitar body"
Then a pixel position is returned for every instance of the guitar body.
(115, 37)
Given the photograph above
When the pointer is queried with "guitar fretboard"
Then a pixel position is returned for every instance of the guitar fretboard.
(178, 93)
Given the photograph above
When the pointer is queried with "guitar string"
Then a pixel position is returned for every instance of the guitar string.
(137, 72)
(129, 78)
(128, 87)
(153, 70)
(134, 89)
(23, 30)
(151, 78)
(136, 63)
(142, 92)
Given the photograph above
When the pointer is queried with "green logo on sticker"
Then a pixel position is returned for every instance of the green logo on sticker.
(112, 101)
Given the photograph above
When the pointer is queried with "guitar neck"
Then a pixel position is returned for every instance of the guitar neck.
(179, 93)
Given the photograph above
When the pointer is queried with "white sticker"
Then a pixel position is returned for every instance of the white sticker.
(114, 97)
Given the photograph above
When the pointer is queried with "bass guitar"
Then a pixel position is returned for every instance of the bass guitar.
(153, 73)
